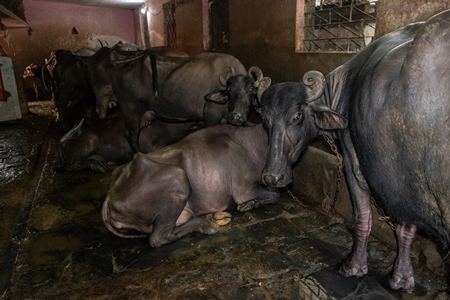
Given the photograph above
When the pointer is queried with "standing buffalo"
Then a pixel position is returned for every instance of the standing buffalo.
(97, 71)
(167, 193)
(390, 108)
(183, 89)
(93, 142)
(70, 83)
(78, 78)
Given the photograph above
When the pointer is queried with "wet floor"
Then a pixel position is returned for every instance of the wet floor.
(54, 244)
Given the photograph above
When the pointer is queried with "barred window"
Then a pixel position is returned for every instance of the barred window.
(335, 25)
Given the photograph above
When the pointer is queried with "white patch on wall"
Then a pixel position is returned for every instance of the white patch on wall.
(98, 41)
(9, 109)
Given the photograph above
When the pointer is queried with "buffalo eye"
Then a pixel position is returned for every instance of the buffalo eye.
(264, 122)
(251, 90)
(298, 116)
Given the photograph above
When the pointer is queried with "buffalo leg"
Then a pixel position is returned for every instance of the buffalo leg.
(174, 220)
(131, 133)
(93, 164)
(403, 274)
(356, 262)
(265, 195)
(164, 234)
(61, 103)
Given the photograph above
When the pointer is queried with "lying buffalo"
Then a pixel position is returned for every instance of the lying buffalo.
(167, 193)
(389, 106)
(209, 87)
(92, 143)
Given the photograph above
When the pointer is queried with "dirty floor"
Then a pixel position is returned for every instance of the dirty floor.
(53, 243)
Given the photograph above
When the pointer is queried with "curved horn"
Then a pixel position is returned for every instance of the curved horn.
(227, 72)
(101, 44)
(315, 83)
(71, 132)
(77, 126)
(256, 73)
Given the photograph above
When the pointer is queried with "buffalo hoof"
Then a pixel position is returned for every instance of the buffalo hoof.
(357, 271)
(406, 283)
(222, 218)
(249, 205)
(100, 166)
(209, 226)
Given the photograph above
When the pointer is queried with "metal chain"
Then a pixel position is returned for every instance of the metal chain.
(295, 198)
(383, 217)
(330, 142)
(382, 214)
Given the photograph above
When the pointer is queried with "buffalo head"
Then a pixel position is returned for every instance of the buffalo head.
(293, 114)
(30, 71)
(98, 75)
(240, 92)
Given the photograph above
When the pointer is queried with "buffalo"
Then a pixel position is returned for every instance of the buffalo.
(170, 192)
(83, 78)
(389, 106)
(97, 72)
(69, 83)
(94, 143)
(209, 87)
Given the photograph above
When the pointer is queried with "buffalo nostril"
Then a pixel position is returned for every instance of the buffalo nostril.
(272, 180)
(236, 119)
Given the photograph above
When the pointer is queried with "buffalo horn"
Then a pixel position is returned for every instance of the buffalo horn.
(72, 131)
(227, 72)
(256, 73)
(315, 83)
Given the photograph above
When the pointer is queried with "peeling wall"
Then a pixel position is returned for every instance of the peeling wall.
(156, 22)
(394, 14)
(262, 33)
(52, 25)
(189, 26)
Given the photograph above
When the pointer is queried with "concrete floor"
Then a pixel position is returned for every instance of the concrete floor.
(54, 245)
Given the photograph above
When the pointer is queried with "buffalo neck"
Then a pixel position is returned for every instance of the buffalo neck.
(336, 94)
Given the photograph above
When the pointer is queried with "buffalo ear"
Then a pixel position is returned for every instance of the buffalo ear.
(217, 96)
(327, 119)
(263, 85)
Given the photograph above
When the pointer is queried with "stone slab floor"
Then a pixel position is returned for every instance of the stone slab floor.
(54, 245)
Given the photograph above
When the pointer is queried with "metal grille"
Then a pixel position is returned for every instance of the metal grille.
(219, 25)
(170, 28)
(339, 25)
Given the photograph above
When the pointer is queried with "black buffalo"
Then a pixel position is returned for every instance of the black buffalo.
(70, 83)
(93, 143)
(97, 71)
(203, 88)
(81, 78)
(390, 108)
(167, 193)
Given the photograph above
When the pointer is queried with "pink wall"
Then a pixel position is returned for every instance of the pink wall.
(52, 25)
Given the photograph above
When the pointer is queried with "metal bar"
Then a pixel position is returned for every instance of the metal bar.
(335, 25)
(323, 27)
